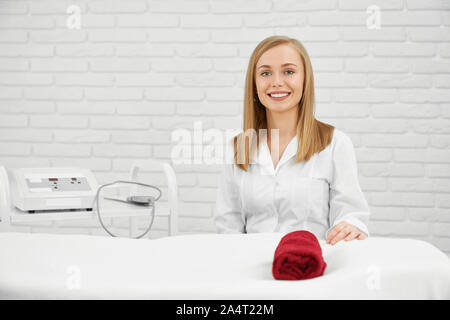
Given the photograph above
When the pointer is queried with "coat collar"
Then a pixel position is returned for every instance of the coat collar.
(263, 157)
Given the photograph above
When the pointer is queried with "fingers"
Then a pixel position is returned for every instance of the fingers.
(334, 232)
(346, 231)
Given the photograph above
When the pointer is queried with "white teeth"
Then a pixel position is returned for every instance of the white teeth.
(278, 95)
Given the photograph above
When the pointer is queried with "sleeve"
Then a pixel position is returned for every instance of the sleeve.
(347, 202)
(227, 216)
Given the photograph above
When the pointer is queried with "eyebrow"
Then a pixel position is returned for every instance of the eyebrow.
(283, 65)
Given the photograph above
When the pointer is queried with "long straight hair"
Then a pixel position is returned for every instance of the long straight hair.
(312, 135)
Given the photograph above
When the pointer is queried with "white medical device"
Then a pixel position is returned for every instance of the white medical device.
(44, 189)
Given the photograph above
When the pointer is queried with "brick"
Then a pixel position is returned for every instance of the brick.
(82, 136)
(318, 49)
(365, 95)
(144, 80)
(403, 49)
(400, 81)
(424, 156)
(198, 194)
(174, 94)
(113, 150)
(374, 155)
(26, 22)
(148, 20)
(28, 107)
(91, 107)
(52, 94)
(13, 7)
(58, 36)
(21, 162)
(443, 200)
(25, 135)
(334, 80)
(181, 65)
(117, 35)
(373, 184)
(428, 34)
(342, 110)
(14, 149)
(395, 34)
(364, 4)
(274, 20)
(387, 213)
(87, 21)
(145, 108)
(234, 6)
(61, 150)
(58, 121)
(84, 79)
(224, 94)
(395, 140)
(13, 36)
(113, 93)
(424, 95)
(25, 79)
(205, 80)
(440, 141)
(428, 126)
(14, 65)
(53, 7)
(378, 65)
(92, 164)
(239, 36)
(171, 35)
(7, 93)
(438, 170)
(144, 50)
(141, 137)
(179, 6)
(119, 65)
(405, 111)
(391, 170)
(431, 5)
(216, 108)
(85, 50)
(292, 5)
(441, 80)
(206, 50)
(117, 6)
(122, 122)
(402, 199)
(58, 65)
(26, 50)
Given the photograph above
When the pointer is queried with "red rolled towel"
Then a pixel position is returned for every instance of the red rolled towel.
(298, 256)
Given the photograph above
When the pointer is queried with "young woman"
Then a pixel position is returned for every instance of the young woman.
(300, 173)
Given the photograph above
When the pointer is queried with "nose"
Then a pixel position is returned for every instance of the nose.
(277, 80)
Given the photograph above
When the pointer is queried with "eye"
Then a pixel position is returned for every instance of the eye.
(265, 73)
(291, 72)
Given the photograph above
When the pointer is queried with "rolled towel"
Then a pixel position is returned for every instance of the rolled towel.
(298, 256)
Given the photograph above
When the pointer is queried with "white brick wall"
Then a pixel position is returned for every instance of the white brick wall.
(113, 91)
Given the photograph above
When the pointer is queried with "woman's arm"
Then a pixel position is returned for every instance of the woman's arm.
(349, 211)
(227, 215)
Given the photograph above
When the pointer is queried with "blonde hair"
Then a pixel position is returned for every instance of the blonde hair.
(312, 135)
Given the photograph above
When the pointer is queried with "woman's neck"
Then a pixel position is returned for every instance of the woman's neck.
(285, 122)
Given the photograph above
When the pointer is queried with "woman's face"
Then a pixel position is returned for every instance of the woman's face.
(279, 77)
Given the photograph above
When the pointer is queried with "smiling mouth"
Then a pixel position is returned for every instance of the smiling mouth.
(279, 95)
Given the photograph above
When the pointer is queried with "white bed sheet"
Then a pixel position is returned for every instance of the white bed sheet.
(213, 266)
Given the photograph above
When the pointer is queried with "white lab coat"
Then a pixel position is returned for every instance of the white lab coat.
(314, 195)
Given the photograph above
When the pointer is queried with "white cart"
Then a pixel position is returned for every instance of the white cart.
(11, 217)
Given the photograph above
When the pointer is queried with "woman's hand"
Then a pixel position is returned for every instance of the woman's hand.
(346, 231)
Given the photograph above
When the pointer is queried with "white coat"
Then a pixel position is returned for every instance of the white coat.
(313, 195)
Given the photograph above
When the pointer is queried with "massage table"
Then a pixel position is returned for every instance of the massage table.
(213, 267)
